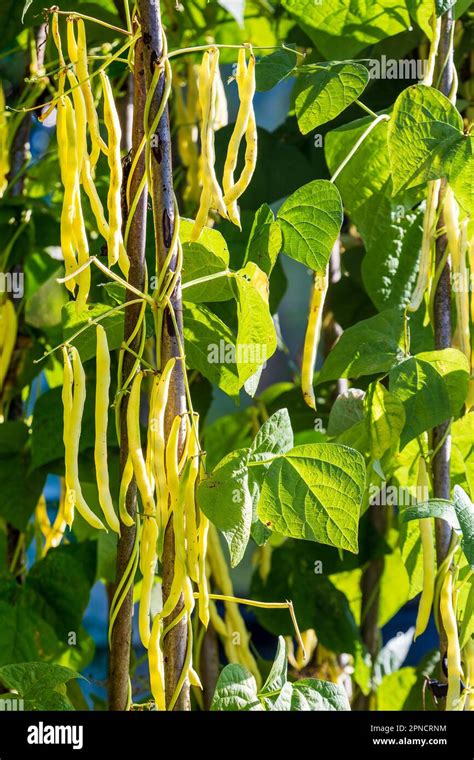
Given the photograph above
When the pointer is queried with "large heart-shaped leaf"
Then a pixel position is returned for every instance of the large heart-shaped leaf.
(310, 221)
(315, 492)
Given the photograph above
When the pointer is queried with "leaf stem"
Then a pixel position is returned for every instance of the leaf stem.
(75, 14)
(287, 605)
(382, 117)
(366, 108)
(199, 48)
(207, 278)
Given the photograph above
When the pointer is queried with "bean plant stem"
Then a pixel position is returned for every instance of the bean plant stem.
(441, 443)
(121, 633)
(162, 196)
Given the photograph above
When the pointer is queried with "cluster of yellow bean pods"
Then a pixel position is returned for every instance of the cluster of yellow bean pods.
(213, 111)
(166, 482)
(77, 125)
(74, 397)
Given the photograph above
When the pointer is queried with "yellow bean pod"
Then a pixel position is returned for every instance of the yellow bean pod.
(101, 425)
(246, 88)
(150, 530)
(312, 337)
(156, 665)
(192, 536)
(82, 70)
(114, 197)
(72, 49)
(8, 333)
(72, 436)
(211, 192)
(42, 517)
(157, 439)
(66, 127)
(448, 617)
(246, 84)
(429, 560)
(126, 479)
(427, 242)
(135, 446)
(59, 525)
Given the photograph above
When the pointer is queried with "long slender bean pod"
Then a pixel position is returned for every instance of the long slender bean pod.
(101, 425)
(82, 69)
(114, 198)
(72, 435)
(429, 561)
(313, 334)
(448, 617)
(135, 446)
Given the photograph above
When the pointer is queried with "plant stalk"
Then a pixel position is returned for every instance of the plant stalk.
(162, 194)
(122, 630)
(442, 323)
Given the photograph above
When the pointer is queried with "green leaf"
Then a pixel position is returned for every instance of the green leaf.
(461, 174)
(207, 256)
(347, 410)
(38, 684)
(454, 368)
(422, 12)
(348, 27)
(18, 634)
(385, 419)
(465, 514)
(20, 488)
(272, 68)
(315, 695)
(236, 689)
(391, 262)
(210, 348)
(439, 508)
(425, 398)
(13, 437)
(309, 694)
(432, 387)
(310, 221)
(392, 656)
(391, 233)
(315, 492)
(323, 91)
(224, 497)
(395, 689)
(279, 671)
(221, 437)
(369, 347)
(256, 337)
(275, 436)
(265, 240)
(58, 586)
(424, 129)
